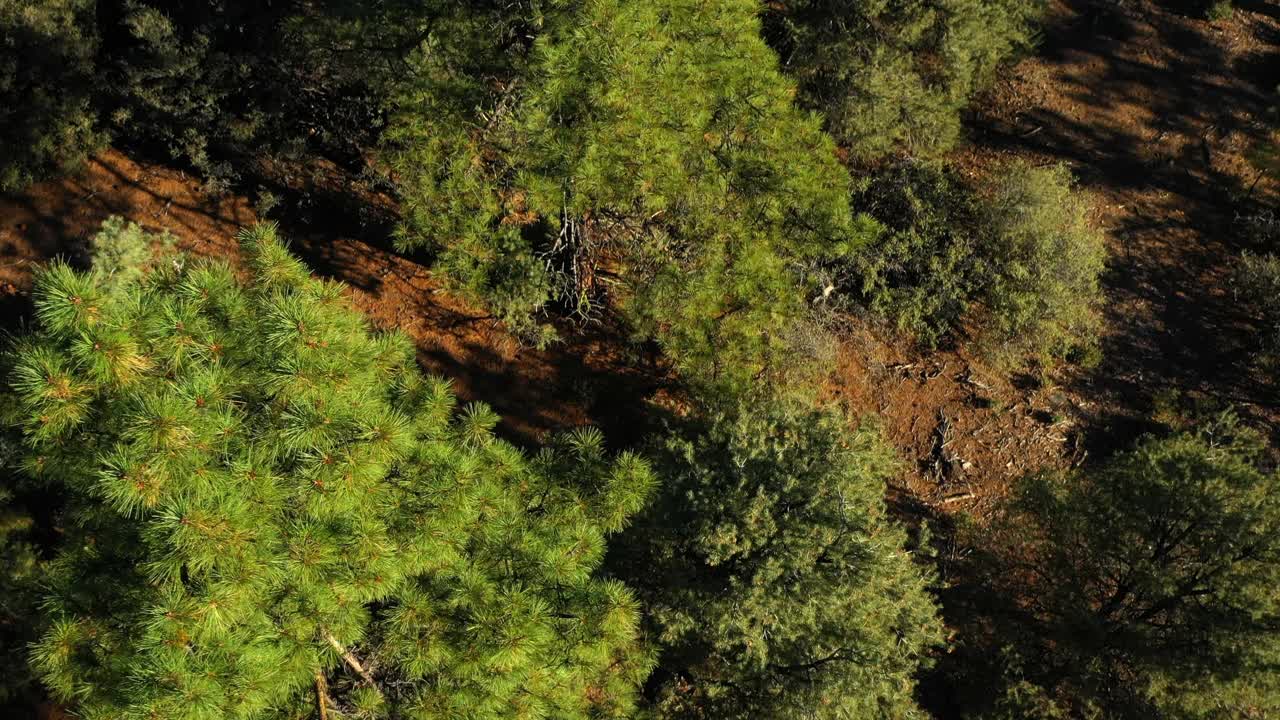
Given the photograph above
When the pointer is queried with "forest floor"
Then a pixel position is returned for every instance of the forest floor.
(1154, 111)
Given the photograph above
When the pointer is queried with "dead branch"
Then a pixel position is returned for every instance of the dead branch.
(970, 380)
(351, 660)
(957, 497)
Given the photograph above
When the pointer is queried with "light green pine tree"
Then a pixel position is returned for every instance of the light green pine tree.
(644, 151)
(272, 513)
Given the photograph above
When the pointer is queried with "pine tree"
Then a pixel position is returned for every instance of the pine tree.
(894, 75)
(1145, 587)
(46, 80)
(647, 149)
(20, 571)
(272, 513)
(776, 585)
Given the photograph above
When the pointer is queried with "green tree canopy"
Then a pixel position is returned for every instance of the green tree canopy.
(47, 118)
(650, 149)
(776, 584)
(270, 508)
(895, 74)
(214, 85)
(1146, 587)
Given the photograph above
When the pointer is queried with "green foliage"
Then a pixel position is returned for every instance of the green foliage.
(122, 252)
(776, 584)
(205, 82)
(1046, 259)
(648, 151)
(1257, 280)
(1146, 586)
(269, 508)
(20, 572)
(212, 84)
(895, 74)
(1014, 259)
(1220, 10)
(46, 79)
(928, 267)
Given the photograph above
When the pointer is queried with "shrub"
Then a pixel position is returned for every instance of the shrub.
(895, 74)
(1146, 586)
(647, 153)
(46, 79)
(1014, 258)
(1257, 281)
(927, 268)
(1045, 261)
(776, 585)
(271, 513)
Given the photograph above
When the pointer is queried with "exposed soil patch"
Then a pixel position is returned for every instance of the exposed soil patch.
(964, 430)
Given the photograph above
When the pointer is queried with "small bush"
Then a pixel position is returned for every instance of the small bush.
(1261, 228)
(1220, 10)
(122, 252)
(1257, 282)
(1045, 260)
(1016, 256)
(925, 270)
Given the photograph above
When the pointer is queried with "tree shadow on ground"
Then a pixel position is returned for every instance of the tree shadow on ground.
(1150, 110)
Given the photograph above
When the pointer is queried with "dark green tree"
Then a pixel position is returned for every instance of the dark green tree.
(647, 151)
(895, 74)
(1145, 587)
(47, 119)
(272, 513)
(775, 583)
(20, 573)
(218, 85)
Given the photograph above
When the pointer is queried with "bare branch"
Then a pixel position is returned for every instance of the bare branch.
(351, 660)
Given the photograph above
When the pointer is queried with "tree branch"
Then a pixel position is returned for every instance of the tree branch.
(322, 693)
(834, 656)
(351, 660)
